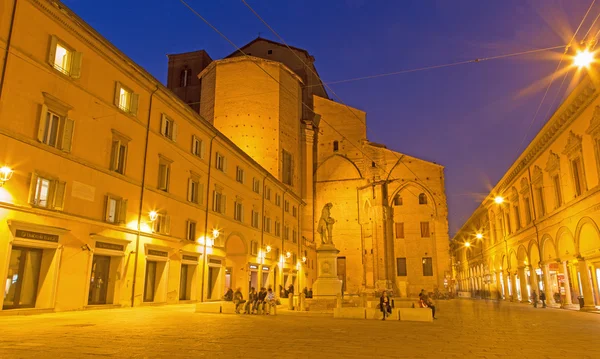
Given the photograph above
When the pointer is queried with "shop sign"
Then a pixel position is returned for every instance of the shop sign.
(214, 261)
(266, 269)
(36, 236)
(152, 252)
(553, 266)
(190, 258)
(114, 247)
(253, 266)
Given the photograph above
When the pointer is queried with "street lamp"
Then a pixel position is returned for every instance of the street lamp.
(5, 174)
(479, 235)
(499, 199)
(583, 58)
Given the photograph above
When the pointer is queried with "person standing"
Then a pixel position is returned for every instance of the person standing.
(534, 298)
(238, 299)
(385, 305)
(543, 298)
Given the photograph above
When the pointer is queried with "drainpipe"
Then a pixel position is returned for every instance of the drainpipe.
(206, 217)
(8, 42)
(140, 209)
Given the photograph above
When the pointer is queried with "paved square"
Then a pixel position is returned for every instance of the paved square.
(465, 329)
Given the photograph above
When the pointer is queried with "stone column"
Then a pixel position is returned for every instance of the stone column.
(567, 284)
(534, 280)
(588, 296)
(547, 287)
(505, 280)
(523, 285)
(513, 280)
(498, 274)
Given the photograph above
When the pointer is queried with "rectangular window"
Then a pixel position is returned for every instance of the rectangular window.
(541, 202)
(557, 191)
(64, 59)
(239, 174)
(118, 157)
(255, 219)
(427, 267)
(286, 206)
(47, 193)
(220, 162)
(197, 147)
(294, 211)
(267, 224)
(286, 232)
(401, 267)
(287, 168)
(277, 199)
(517, 218)
(425, 230)
(278, 229)
(578, 178)
(55, 130)
(294, 236)
(527, 205)
(256, 185)
(191, 230)
(162, 224)
(238, 213)
(268, 193)
(164, 174)
(278, 254)
(253, 248)
(168, 128)
(399, 230)
(219, 201)
(194, 190)
(125, 99)
(398, 201)
(116, 210)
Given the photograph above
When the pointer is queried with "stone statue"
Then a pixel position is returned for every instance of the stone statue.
(325, 226)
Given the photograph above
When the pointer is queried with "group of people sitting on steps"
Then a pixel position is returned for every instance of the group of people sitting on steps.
(258, 302)
(386, 303)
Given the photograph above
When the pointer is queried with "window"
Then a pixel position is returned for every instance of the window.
(401, 267)
(277, 228)
(427, 267)
(125, 99)
(46, 192)
(269, 52)
(56, 129)
(116, 209)
(422, 198)
(197, 147)
(557, 191)
(238, 213)
(267, 224)
(578, 177)
(256, 185)
(286, 232)
(398, 200)
(268, 193)
(517, 217)
(286, 206)
(219, 201)
(287, 168)
(162, 224)
(294, 211)
(164, 173)
(220, 162)
(194, 191)
(239, 174)
(185, 77)
(294, 236)
(425, 230)
(191, 230)
(118, 157)
(255, 219)
(399, 230)
(64, 59)
(253, 248)
(168, 128)
(373, 164)
(277, 199)
(527, 205)
(541, 201)
(336, 146)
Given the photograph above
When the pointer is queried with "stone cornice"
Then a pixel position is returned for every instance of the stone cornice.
(594, 129)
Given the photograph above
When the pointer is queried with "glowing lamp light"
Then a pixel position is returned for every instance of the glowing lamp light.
(288, 254)
(479, 236)
(5, 174)
(268, 249)
(499, 199)
(583, 58)
(216, 233)
(210, 242)
(153, 215)
(467, 244)
(200, 240)
(304, 259)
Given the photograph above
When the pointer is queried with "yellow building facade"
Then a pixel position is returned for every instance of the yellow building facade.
(118, 193)
(538, 228)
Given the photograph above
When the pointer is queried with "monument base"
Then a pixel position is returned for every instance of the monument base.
(327, 284)
(327, 287)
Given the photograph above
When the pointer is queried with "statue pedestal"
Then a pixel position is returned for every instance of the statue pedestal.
(327, 285)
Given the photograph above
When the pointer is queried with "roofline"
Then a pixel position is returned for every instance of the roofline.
(269, 41)
(254, 59)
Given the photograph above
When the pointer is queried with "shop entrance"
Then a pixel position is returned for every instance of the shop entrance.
(213, 280)
(99, 280)
(22, 278)
(253, 280)
(228, 277)
(183, 283)
(150, 281)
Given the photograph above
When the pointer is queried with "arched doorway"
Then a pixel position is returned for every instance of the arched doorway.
(588, 241)
(236, 262)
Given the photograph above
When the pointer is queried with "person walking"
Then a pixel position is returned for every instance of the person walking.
(534, 298)
(543, 298)
(385, 305)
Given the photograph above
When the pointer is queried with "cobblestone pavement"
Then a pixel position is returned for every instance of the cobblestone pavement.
(465, 328)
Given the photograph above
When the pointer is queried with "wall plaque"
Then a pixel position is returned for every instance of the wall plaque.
(190, 258)
(36, 236)
(114, 247)
(152, 252)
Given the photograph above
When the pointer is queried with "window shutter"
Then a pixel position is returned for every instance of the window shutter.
(189, 195)
(291, 170)
(161, 176)
(200, 193)
(224, 164)
(106, 213)
(114, 155)
(59, 194)
(76, 64)
(32, 187)
(123, 211)
(201, 149)
(167, 224)
(42, 124)
(175, 131)
(117, 94)
(163, 125)
(52, 52)
(133, 107)
(223, 204)
(67, 137)
(193, 144)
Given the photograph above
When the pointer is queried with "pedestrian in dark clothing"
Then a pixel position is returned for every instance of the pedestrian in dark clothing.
(534, 298)
(385, 305)
(228, 295)
(543, 298)
(238, 299)
(260, 303)
(251, 303)
(426, 302)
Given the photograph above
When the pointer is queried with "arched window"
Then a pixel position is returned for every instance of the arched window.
(422, 198)
(185, 77)
(397, 200)
(336, 146)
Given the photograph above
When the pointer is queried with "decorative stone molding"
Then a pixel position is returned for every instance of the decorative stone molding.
(524, 186)
(573, 144)
(538, 175)
(594, 129)
(514, 195)
(553, 163)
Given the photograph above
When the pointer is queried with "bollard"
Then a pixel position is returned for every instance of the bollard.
(363, 298)
(302, 302)
(291, 301)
